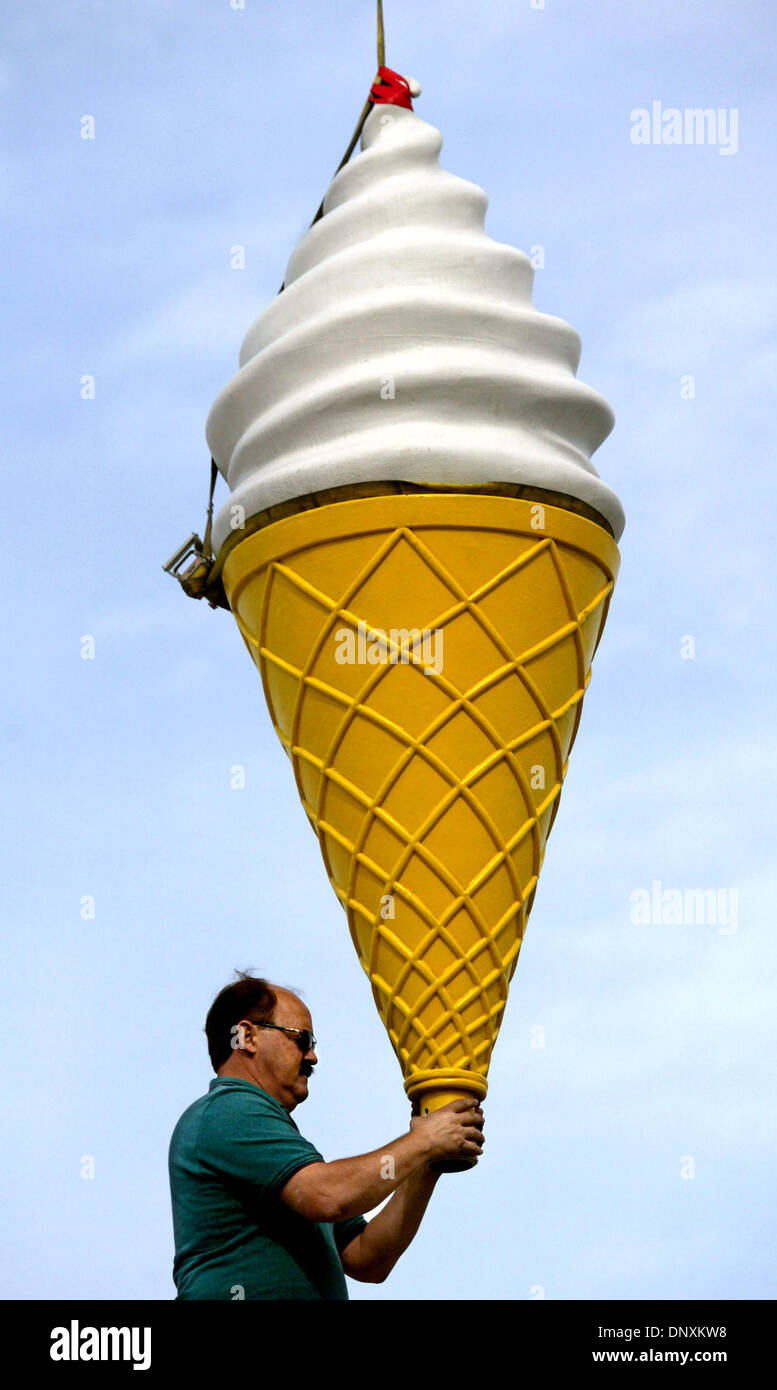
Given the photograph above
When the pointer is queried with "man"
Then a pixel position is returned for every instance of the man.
(257, 1212)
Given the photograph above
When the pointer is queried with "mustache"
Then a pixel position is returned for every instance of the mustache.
(306, 1069)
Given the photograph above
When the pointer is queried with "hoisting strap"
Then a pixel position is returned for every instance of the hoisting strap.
(203, 580)
(381, 36)
(388, 88)
(207, 547)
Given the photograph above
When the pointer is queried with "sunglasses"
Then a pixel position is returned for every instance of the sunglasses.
(302, 1036)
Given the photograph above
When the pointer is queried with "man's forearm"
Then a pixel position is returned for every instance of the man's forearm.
(358, 1184)
(374, 1253)
(350, 1186)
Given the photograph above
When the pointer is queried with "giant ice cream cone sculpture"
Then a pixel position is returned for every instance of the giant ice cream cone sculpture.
(419, 555)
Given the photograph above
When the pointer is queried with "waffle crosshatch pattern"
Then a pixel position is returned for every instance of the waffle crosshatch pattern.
(424, 660)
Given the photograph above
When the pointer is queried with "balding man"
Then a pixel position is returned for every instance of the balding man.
(257, 1212)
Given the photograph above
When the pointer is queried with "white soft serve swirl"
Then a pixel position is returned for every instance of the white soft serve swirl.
(399, 287)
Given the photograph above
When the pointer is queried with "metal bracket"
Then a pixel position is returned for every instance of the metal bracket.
(190, 550)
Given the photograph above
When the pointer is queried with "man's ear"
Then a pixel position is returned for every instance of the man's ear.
(246, 1035)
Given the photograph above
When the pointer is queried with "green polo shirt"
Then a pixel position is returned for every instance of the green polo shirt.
(231, 1153)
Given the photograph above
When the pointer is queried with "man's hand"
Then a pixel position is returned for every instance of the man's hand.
(453, 1131)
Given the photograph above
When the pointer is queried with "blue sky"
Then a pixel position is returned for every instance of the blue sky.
(216, 127)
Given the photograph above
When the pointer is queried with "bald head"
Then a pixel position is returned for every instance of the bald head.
(271, 1057)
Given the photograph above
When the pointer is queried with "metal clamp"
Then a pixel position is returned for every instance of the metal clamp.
(190, 550)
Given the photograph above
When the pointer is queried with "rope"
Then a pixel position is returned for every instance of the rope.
(214, 570)
(364, 114)
(381, 37)
(207, 548)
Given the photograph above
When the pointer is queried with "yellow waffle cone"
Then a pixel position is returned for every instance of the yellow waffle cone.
(430, 766)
